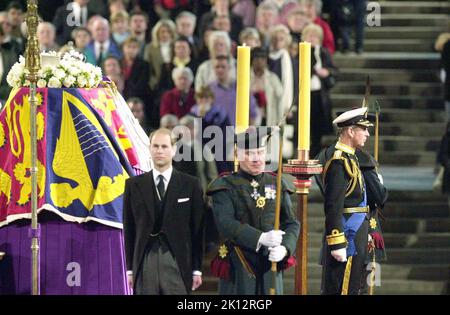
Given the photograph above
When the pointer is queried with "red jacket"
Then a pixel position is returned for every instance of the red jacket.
(328, 37)
(171, 103)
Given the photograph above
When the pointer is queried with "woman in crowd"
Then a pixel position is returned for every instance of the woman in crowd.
(158, 54)
(219, 44)
(323, 78)
(179, 100)
(280, 63)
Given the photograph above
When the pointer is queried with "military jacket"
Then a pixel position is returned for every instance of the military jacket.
(244, 207)
(343, 186)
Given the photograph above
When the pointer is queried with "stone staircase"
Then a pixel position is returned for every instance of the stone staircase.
(404, 72)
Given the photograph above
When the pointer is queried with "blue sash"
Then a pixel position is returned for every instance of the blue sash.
(351, 227)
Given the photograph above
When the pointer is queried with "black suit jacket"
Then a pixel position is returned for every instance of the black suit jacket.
(182, 221)
(9, 57)
(137, 83)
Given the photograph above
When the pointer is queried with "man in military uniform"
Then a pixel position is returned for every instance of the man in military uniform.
(346, 224)
(377, 195)
(244, 211)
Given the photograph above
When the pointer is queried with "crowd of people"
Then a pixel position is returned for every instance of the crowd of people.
(162, 54)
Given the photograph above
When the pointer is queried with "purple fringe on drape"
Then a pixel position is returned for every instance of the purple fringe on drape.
(90, 252)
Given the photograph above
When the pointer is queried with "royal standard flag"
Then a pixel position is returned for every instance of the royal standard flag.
(84, 156)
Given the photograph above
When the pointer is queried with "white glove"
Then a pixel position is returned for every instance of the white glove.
(339, 254)
(277, 253)
(381, 179)
(272, 238)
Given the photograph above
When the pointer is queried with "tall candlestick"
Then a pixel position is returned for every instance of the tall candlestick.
(243, 88)
(304, 100)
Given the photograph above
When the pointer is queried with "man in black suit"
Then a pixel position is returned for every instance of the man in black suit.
(163, 224)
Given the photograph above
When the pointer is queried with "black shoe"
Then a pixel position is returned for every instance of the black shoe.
(359, 51)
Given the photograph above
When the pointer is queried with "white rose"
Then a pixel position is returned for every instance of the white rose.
(74, 71)
(81, 81)
(91, 82)
(54, 83)
(98, 72)
(41, 83)
(68, 81)
(59, 73)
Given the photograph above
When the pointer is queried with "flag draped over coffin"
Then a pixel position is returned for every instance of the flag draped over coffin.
(85, 154)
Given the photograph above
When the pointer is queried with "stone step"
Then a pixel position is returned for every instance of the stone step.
(404, 158)
(403, 32)
(388, 101)
(374, 45)
(403, 196)
(388, 75)
(415, 19)
(414, 7)
(406, 115)
(388, 287)
(396, 209)
(411, 89)
(389, 60)
(397, 240)
(396, 225)
(442, 1)
(399, 144)
(416, 130)
(391, 272)
(387, 272)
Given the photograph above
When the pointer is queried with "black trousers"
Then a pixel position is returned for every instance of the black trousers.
(159, 273)
(333, 270)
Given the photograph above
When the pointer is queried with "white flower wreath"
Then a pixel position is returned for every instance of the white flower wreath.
(71, 72)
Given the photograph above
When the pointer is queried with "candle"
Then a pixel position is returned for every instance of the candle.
(304, 100)
(243, 88)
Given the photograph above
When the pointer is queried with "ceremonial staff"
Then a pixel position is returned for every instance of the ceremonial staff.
(377, 130)
(32, 64)
(276, 225)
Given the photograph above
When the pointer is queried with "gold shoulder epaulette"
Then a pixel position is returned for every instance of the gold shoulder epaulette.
(337, 155)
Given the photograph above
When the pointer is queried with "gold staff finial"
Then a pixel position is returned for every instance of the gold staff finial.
(32, 60)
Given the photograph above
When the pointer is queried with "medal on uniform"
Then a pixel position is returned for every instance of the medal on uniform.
(260, 202)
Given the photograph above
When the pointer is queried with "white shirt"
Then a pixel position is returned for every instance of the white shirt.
(97, 48)
(166, 52)
(167, 174)
(315, 80)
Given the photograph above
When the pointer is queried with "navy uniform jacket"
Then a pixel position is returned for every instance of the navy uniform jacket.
(343, 187)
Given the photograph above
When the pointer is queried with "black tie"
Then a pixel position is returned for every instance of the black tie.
(161, 189)
(100, 56)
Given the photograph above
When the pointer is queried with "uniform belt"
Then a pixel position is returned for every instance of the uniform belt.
(356, 210)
